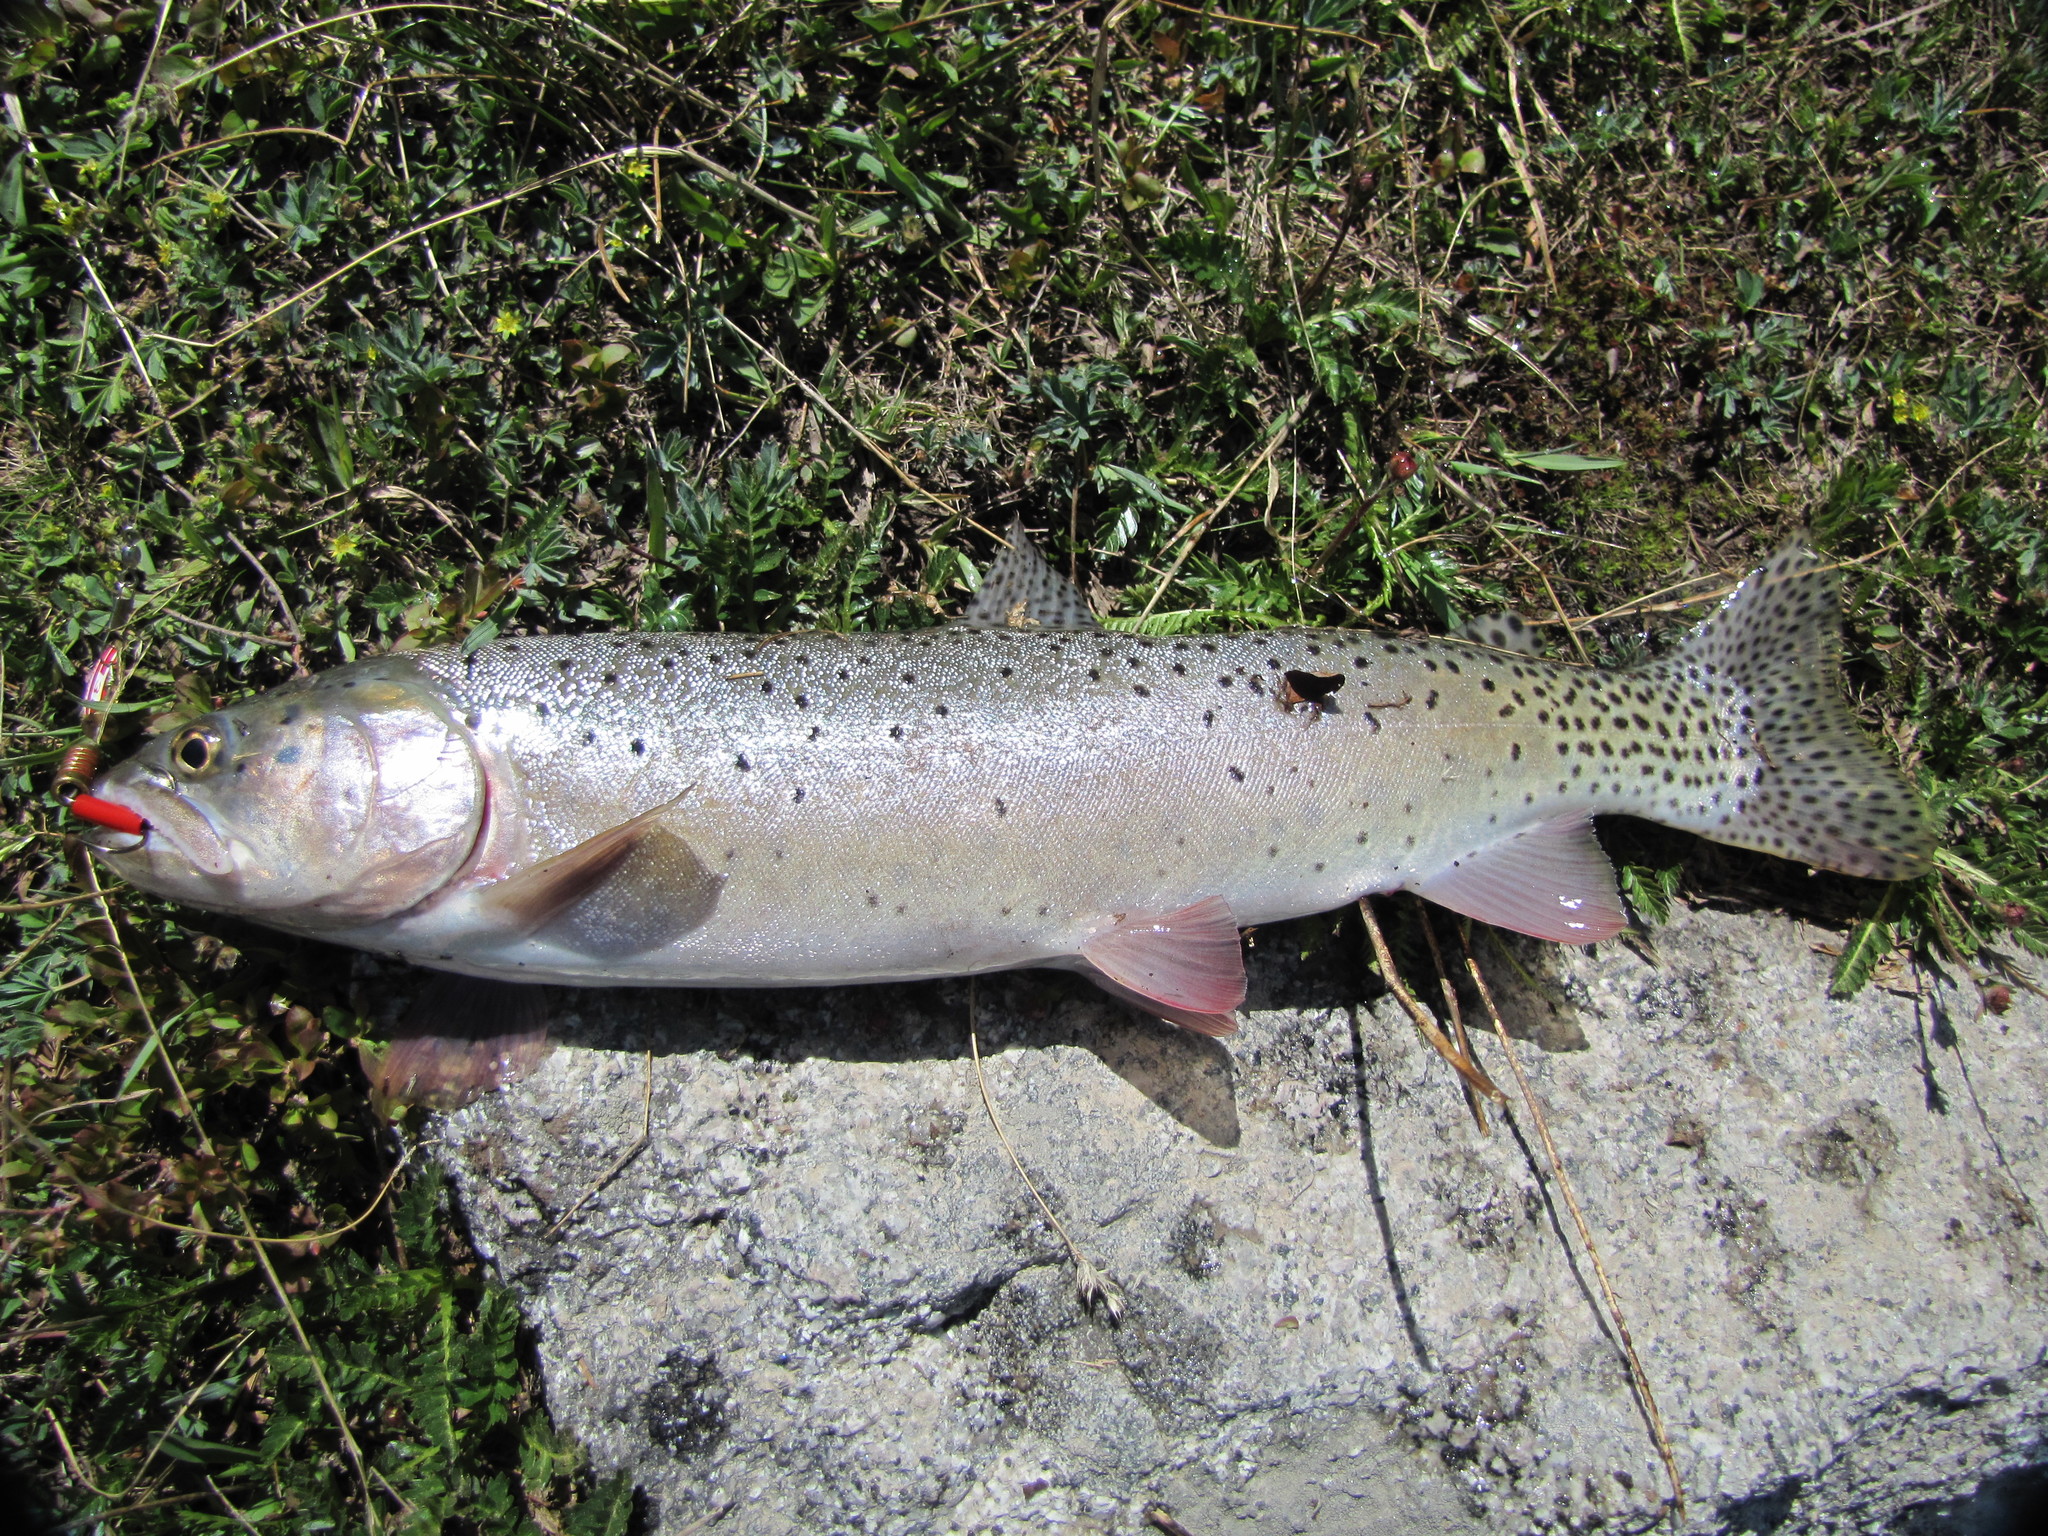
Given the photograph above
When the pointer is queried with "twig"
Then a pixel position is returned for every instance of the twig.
(257, 1246)
(1543, 576)
(71, 1456)
(1450, 997)
(618, 1163)
(1571, 1200)
(831, 410)
(1093, 1286)
(1461, 1062)
(239, 1518)
(276, 596)
(77, 1522)
(1191, 531)
(233, 634)
(38, 906)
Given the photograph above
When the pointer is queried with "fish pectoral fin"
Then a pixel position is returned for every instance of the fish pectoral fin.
(624, 891)
(1551, 880)
(1022, 591)
(1187, 966)
(462, 1037)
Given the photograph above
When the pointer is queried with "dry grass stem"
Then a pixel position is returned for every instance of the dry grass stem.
(619, 1163)
(1628, 1348)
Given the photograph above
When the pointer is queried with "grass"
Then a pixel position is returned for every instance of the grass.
(325, 331)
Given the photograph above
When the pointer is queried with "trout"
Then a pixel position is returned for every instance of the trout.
(1020, 789)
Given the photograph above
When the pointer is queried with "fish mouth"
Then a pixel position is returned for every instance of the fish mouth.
(176, 834)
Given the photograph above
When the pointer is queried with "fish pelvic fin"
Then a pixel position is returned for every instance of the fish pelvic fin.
(1186, 966)
(1021, 591)
(1798, 776)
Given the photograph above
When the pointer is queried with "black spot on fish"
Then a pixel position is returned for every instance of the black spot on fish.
(803, 701)
(798, 797)
(767, 685)
(814, 733)
(541, 710)
(611, 679)
(1236, 773)
(1209, 718)
(874, 900)
(473, 719)
(1002, 809)
(639, 747)
(1005, 671)
(895, 733)
(1095, 674)
(589, 737)
(910, 677)
(940, 709)
(566, 664)
(1141, 690)
(1515, 752)
(741, 763)
(1223, 681)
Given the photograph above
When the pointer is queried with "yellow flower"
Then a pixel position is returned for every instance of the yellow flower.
(507, 324)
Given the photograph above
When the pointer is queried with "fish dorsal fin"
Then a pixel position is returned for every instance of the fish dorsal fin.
(1022, 591)
(1551, 880)
(1186, 965)
(624, 891)
(1500, 631)
(462, 1037)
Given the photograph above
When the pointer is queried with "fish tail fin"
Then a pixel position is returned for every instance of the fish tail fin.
(1789, 770)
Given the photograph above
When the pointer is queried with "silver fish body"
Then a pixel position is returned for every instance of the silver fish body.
(813, 808)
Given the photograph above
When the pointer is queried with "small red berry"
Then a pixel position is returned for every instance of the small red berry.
(1402, 464)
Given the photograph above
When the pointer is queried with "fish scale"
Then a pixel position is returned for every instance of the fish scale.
(811, 808)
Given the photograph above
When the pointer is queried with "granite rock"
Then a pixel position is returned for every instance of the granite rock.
(820, 1298)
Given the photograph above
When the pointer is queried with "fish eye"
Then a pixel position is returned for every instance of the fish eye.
(197, 749)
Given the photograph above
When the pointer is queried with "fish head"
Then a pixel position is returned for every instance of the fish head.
(334, 800)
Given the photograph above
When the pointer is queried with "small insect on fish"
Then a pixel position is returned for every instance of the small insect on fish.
(1019, 789)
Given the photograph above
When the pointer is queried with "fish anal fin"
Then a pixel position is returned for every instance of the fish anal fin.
(1020, 590)
(462, 1038)
(1186, 966)
(1551, 880)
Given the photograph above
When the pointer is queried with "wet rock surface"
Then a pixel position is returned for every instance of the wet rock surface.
(820, 1298)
